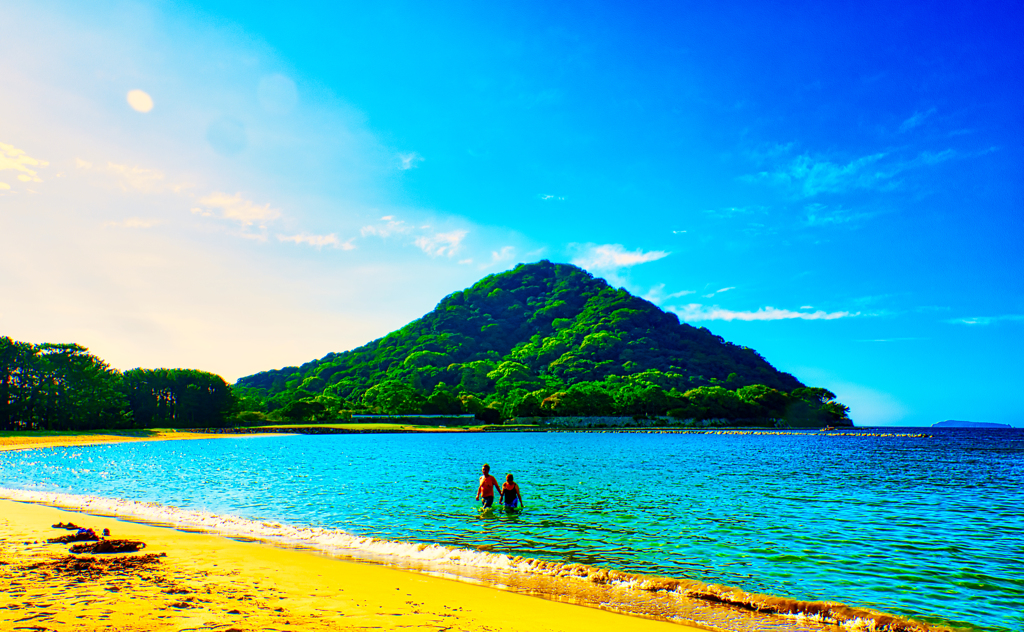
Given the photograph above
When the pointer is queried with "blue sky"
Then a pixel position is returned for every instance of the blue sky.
(236, 186)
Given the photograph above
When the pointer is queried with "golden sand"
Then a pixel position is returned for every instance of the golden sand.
(207, 582)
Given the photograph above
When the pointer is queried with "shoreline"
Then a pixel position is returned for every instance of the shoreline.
(33, 441)
(689, 603)
(638, 595)
(209, 581)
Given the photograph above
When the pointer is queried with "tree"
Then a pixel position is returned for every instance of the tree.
(715, 402)
(765, 401)
(394, 398)
(177, 398)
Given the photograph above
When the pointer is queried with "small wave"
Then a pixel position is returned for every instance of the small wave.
(452, 561)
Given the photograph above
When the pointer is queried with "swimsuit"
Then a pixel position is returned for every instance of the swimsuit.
(510, 495)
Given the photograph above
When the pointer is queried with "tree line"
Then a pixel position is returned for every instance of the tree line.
(64, 387)
(645, 395)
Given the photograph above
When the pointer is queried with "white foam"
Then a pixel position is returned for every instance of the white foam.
(333, 541)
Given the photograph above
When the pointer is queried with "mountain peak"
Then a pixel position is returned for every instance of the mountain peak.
(540, 328)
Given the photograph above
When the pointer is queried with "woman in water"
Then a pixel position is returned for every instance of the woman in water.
(511, 497)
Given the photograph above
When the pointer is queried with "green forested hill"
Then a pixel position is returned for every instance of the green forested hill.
(542, 339)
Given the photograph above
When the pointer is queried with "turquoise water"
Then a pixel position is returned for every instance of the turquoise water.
(926, 527)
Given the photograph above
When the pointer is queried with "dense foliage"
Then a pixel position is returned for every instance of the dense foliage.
(64, 387)
(542, 340)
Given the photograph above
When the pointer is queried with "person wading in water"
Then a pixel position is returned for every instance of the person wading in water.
(486, 489)
(511, 497)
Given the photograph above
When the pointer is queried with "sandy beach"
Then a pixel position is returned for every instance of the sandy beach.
(192, 581)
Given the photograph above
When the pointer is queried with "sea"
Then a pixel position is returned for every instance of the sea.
(925, 524)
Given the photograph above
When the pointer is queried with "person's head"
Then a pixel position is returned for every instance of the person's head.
(508, 477)
(486, 468)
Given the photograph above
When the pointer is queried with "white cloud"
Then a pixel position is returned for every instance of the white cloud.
(391, 226)
(236, 208)
(141, 179)
(409, 161)
(915, 120)
(14, 159)
(548, 198)
(812, 177)
(824, 215)
(657, 294)
(696, 312)
(809, 176)
(724, 289)
(612, 256)
(985, 320)
(505, 254)
(439, 244)
(318, 241)
(733, 211)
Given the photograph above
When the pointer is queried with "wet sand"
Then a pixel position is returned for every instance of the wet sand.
(192, 581)
(31, 442)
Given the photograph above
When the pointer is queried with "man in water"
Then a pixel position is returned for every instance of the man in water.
(486, 489)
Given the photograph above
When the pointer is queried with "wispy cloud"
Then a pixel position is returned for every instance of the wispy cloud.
(409, 161)
(696, 312)
(818, 214)
(507, 253)
(724, 289)
(129, 178)
(14, 159)
(916, 119)
(549, 198)
(612, 256)
(808, 176)
(318, 241)
(657, 294)
(390, 226)
(986, 320)
(236, 208)
(441, 244)
(729, 212)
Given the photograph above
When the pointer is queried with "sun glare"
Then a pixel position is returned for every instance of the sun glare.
(140, 101)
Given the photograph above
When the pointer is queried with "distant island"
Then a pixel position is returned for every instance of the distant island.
(953, 423)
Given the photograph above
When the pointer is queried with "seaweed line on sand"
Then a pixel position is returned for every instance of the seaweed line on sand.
(822, 611)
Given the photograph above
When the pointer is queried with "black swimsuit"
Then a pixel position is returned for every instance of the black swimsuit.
(510, 496)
